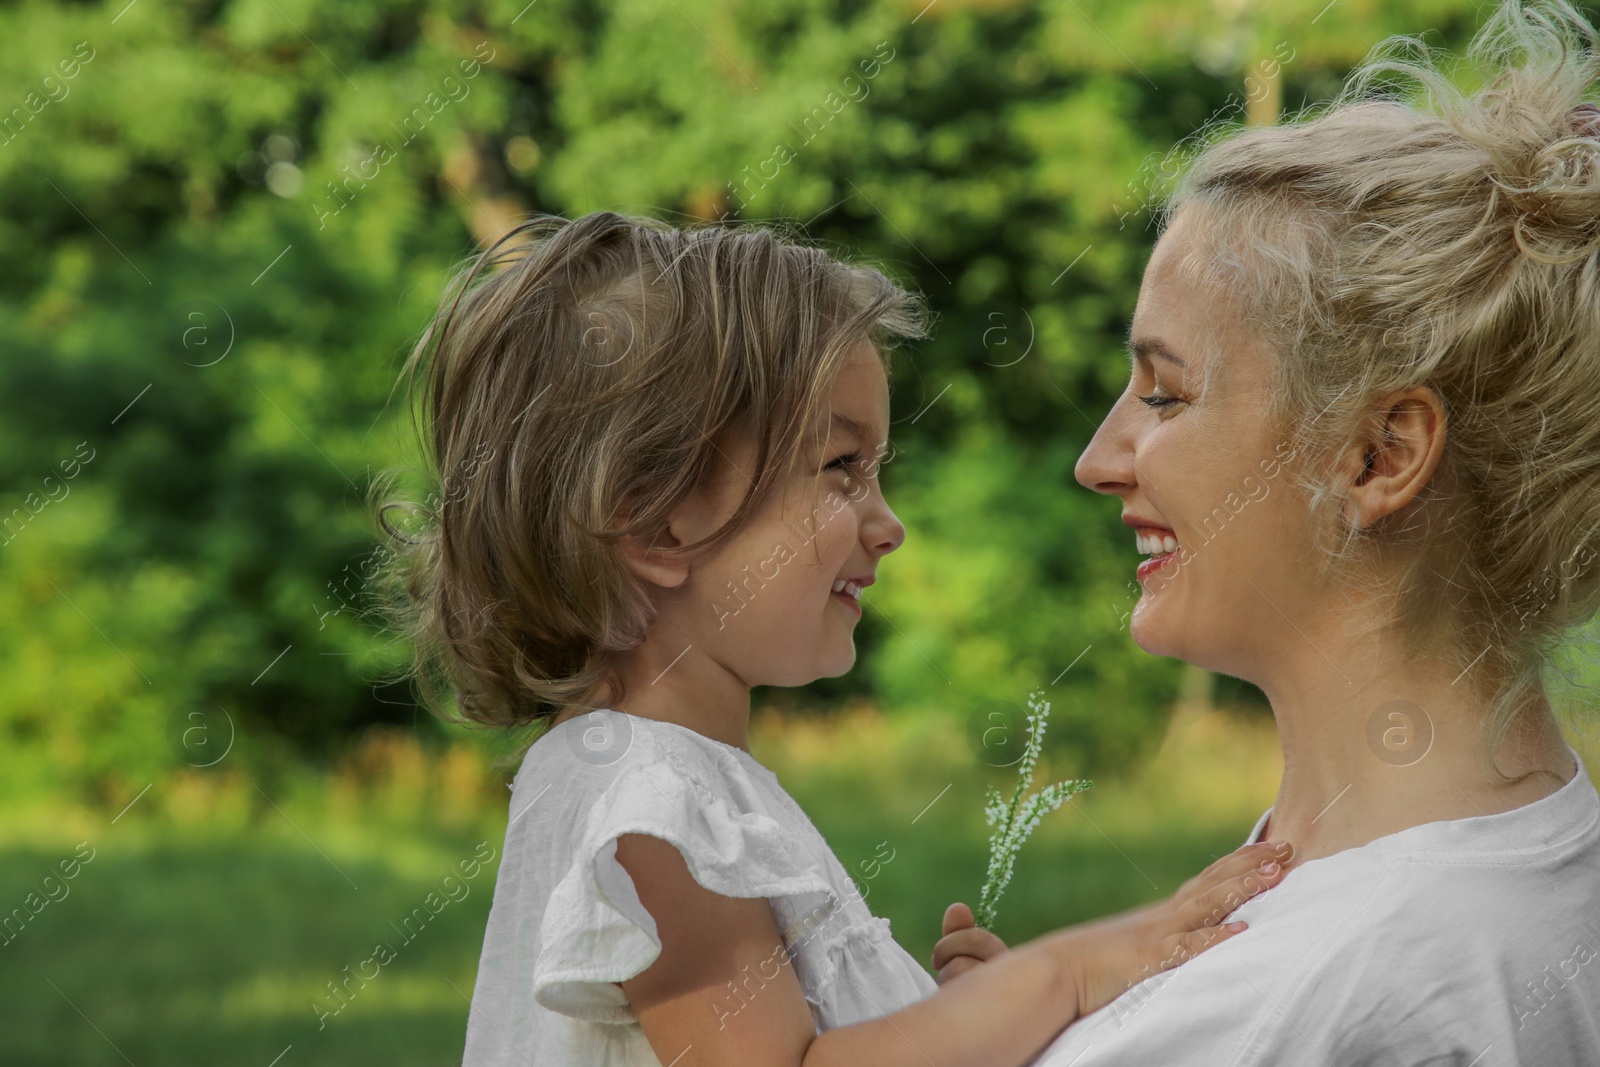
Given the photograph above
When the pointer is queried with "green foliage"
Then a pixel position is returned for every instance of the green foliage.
(225, 227)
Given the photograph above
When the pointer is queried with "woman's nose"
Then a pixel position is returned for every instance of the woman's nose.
(1106, 465)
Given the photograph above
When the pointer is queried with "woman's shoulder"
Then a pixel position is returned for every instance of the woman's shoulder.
(1464, 929)
(1488, 878)
(1438, 940)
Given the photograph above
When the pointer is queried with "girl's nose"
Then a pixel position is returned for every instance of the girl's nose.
(885, 532)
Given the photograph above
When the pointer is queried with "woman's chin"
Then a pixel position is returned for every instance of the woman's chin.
(1151, 631)
(1158, 631)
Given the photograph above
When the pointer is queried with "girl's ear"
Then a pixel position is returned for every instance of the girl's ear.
(701, 511)
(652, 556)
(647, 558)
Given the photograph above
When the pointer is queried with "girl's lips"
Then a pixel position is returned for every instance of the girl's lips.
(1155, 563)
(849, 590)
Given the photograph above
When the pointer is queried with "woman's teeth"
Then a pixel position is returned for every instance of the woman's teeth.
(847, 587)
(1155, 542)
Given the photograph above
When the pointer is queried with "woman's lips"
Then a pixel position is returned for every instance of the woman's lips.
(1155, 563)
(848, 599)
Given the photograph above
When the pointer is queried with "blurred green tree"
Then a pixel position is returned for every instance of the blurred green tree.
(224, 223)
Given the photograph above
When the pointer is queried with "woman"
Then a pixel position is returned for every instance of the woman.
(1362, 441)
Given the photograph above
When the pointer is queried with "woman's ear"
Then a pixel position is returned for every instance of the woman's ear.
(1389, 464)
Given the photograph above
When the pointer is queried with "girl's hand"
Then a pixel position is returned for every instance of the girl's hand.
(964, 945)
(1106, 957)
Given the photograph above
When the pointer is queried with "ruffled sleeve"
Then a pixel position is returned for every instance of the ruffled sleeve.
(595, 932)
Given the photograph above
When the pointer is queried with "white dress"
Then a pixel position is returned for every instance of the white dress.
(1463, 942)
(566, 922)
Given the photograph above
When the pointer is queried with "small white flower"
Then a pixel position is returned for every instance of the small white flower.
(1014, 821)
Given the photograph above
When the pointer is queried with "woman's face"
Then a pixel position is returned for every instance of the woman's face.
(1228, 567)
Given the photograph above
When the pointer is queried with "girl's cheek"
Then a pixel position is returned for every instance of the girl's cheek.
(848, 532)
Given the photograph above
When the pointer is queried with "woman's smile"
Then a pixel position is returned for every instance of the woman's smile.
(1158, 542)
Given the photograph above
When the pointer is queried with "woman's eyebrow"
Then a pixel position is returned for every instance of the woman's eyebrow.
(1145, 347)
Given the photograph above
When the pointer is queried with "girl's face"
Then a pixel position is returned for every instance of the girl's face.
(1201, 474)
(777, 604)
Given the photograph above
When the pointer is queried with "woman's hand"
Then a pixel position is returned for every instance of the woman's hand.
(1108, 956)
(964, 944)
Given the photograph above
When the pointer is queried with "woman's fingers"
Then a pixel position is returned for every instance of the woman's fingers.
(1236, 863)
(1186, 946)
(1239, 861)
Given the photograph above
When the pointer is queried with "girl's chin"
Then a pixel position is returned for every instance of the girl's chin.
(838, 662)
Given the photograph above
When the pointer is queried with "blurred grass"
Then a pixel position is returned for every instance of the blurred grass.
(210, 918)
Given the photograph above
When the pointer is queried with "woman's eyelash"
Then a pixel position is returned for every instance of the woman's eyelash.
(1157, 401)
(843, 461)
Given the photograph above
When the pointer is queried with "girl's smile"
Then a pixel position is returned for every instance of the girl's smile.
(849, 591)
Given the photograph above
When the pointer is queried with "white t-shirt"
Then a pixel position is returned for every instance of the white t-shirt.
(1466, 942)
(566, 921)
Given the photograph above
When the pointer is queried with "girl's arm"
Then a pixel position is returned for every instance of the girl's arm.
(721, 993)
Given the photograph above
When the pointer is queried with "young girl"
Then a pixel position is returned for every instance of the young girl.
(662, 450)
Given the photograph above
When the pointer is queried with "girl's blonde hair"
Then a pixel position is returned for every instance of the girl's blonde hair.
(573, 398)
(1449, 239)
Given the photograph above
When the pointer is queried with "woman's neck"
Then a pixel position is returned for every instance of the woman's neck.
(1374, 744)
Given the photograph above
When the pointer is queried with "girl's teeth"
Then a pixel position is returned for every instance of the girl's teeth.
(847, 587)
